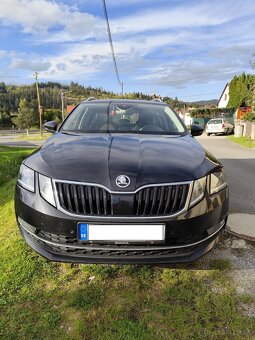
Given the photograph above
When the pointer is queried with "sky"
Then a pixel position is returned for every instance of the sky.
(186, 49)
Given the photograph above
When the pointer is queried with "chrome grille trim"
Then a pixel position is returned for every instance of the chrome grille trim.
(121, 192)
(105, 192)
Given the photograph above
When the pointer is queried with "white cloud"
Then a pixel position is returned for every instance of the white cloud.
(2, 54)
(32, 65)
(87, 60)
(185, 72)
(127, 51)
(53, 21)
(182, 16)
(39, 16)
(189, 43)
(118, 3)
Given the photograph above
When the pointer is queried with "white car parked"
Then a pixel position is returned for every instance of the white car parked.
(219, 125)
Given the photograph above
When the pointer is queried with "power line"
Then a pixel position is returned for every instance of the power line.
(111, 44)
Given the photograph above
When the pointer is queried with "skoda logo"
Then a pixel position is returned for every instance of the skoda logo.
(122, 181)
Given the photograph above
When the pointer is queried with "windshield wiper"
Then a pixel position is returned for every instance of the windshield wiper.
(69, 132)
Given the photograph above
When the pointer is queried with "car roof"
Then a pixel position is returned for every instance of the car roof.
(131, 101)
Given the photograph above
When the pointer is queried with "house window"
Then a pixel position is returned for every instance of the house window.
(225, 96)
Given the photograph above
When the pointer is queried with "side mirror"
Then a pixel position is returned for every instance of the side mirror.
(196, 130)
(51, 126)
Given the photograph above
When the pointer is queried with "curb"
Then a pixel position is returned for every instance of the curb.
(242, 236)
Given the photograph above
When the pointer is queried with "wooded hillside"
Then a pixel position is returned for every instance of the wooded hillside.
(19, 106)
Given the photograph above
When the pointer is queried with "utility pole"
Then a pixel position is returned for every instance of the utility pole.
(122, 86)
(39, 103)
(253, 86)
(253, 89)
(253, 97)
(62, 104)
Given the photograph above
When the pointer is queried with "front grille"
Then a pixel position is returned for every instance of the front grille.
(165, 200)
(107, 253)
(84, 199)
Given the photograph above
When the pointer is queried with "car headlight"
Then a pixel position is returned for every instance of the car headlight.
(26, 178)
(46, 190)
(198, 191)
(217, 181)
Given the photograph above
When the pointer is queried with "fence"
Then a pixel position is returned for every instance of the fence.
(203, 120)
(248, 128)
(14, 132)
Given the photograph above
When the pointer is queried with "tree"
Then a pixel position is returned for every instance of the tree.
(5, 121)
(27, 117)
(240, 91)
(3, 88)
(52, 114)
(50, 92)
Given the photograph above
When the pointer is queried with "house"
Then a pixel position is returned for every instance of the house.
(224, 98)
(242, 111)
(69, 108)
(188, 120)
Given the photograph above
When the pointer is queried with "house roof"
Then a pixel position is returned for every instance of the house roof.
(222, 93)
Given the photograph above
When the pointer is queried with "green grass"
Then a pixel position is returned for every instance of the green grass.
(243, 141)
(44, 300)
(10, 160)
(221, 264)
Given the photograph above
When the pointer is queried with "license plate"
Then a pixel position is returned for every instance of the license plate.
(121, 232)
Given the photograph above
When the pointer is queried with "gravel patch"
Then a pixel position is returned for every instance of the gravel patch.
(241, 255)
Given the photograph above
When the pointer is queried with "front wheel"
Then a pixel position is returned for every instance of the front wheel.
(208, 134)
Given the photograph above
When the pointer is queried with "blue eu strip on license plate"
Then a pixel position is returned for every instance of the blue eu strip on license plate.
(83, 232)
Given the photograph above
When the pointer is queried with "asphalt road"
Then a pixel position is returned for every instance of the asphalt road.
(10, 141)
(239, 165)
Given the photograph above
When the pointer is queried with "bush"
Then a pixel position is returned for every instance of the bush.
(250, 117)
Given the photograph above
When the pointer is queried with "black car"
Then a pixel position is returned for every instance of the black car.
(121, 181)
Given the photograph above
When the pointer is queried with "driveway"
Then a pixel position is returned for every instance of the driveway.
(239, 164)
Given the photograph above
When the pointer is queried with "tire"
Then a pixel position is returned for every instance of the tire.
(208, 134)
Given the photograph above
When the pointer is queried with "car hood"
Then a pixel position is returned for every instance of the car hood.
(145, 159)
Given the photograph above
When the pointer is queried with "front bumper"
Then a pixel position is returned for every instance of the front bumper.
(53, 234)
(96, 253)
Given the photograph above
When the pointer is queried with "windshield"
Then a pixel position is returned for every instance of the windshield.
(215, 121)
(123, 118)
